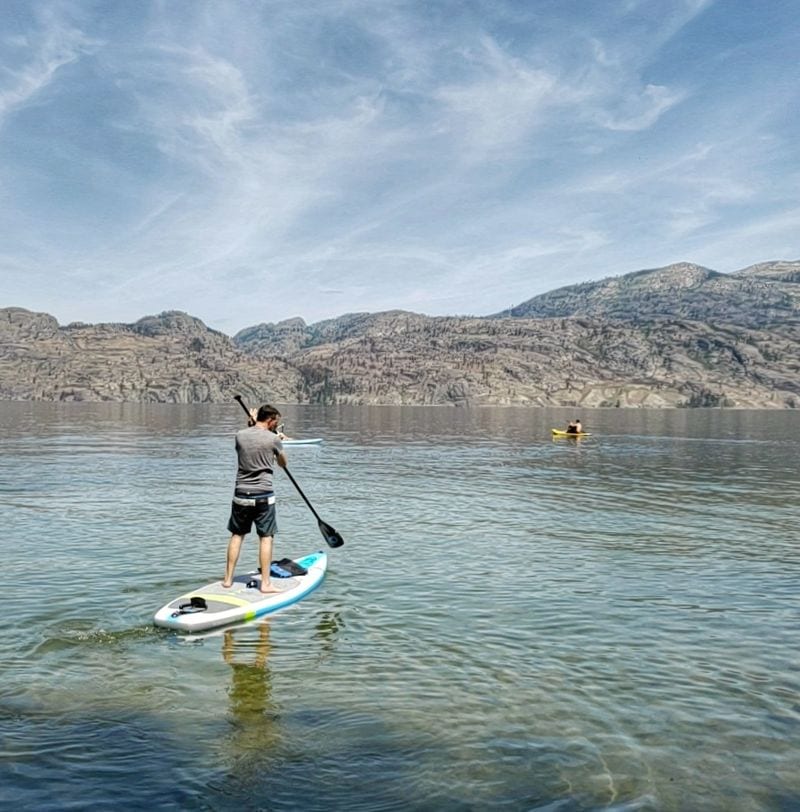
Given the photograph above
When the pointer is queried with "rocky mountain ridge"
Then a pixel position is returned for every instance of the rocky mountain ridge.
(676, 336)
(760, 296)
(172, 358)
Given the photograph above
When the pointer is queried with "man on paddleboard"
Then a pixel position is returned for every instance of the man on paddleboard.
(258, 448)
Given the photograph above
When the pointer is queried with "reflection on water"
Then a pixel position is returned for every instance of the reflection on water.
(608, 622)
(250, 747)
(329, 625)
(250, 681)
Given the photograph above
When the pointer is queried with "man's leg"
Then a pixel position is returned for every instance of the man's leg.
(234, 546)
(264, 561)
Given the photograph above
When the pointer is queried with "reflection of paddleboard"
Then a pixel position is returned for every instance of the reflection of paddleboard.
(313, 441)
(561, 433)
(214, 605)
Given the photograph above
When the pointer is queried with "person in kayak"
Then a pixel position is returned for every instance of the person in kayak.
(258, 448)
(574, 426)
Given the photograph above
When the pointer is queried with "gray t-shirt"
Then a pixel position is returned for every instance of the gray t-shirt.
(256, 449)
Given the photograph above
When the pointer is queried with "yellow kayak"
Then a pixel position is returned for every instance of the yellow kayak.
(562, 433)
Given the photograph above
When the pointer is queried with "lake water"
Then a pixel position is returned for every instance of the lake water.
(514, 622)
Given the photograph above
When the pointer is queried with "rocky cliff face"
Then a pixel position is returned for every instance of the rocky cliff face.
(779, 271)
(407, 358)
(171, 358)
(677, 336)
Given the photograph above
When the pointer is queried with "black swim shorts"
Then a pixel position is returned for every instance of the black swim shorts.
(246, 511)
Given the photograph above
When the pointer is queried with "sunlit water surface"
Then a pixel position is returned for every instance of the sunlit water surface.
(514, 622)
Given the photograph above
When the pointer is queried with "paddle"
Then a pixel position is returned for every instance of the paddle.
(330, 535)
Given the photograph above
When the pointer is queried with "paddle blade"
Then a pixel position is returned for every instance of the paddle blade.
(332, 538)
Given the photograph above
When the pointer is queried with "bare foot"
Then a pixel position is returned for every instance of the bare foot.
(269, 590)
(227, 586)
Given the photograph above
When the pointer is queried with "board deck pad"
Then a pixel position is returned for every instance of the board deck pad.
(240, 602)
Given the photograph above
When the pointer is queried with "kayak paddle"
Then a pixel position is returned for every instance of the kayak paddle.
(330, 535)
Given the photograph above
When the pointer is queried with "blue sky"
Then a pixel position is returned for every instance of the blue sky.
(252, 161)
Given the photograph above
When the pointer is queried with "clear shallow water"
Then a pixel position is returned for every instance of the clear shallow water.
(514, 622)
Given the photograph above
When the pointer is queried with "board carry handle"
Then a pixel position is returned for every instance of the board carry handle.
(196, 604)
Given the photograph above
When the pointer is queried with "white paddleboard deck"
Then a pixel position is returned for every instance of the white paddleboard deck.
(240, 602)
(310, 441)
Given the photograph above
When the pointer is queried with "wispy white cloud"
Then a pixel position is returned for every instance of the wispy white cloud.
(499, 103)
(643, 109)
(41, 54)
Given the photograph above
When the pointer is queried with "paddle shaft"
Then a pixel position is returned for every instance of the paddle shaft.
(300, 491)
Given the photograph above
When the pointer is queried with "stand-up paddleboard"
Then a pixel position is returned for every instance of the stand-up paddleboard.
(561, 433)
(311, 441)
(213, 605)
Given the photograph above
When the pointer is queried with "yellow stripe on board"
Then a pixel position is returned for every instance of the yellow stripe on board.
(222, 599)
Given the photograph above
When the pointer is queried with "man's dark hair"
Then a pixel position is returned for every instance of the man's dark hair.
(266, 412)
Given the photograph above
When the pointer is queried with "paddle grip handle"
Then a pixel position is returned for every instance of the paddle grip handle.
(238, 398)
